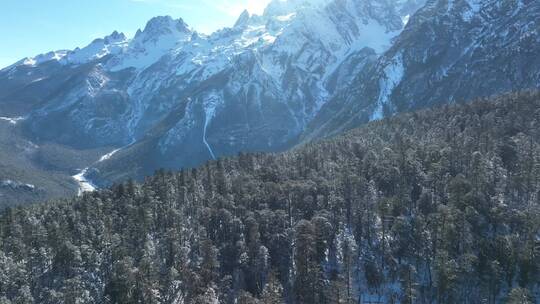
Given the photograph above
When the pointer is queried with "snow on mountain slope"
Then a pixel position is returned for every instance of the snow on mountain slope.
(99, 48)
(160, 36)
(450, 51)
(252, 87)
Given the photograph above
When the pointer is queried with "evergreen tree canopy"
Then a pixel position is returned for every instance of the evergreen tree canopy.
(437, 206)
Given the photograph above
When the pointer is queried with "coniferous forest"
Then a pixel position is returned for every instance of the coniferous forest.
(438, 206)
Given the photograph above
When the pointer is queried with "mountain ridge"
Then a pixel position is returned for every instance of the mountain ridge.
(277, 69)
(449, 51)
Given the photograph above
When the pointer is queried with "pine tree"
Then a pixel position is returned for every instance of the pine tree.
(247, 298)
(209, 263)
(306, 268)
(519, 296)
(121, 288)
(273, 290)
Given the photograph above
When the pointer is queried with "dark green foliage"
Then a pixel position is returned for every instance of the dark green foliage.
(439, 206)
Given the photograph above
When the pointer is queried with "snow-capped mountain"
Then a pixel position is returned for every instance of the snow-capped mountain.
(188, 97)
(171, 97)
(450, 51)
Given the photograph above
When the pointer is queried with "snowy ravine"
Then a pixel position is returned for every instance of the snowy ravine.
(86, 185)
(210, 111)
(204, 138)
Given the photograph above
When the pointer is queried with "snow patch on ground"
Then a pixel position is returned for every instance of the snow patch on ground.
(85, 185)
(12, 120)
(406, 19)
(108, 156)
(8, 183)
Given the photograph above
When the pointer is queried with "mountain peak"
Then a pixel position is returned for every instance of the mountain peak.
(115, 37)
(163, 25)
(284, 7)
(243, 19)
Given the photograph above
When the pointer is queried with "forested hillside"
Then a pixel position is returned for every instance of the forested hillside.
(439, 206)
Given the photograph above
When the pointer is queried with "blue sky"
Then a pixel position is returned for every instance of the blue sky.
(31, 27)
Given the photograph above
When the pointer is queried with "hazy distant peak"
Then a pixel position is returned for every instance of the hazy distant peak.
(243, 19)
(284, 7)
(115, 37)
(163, 25)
